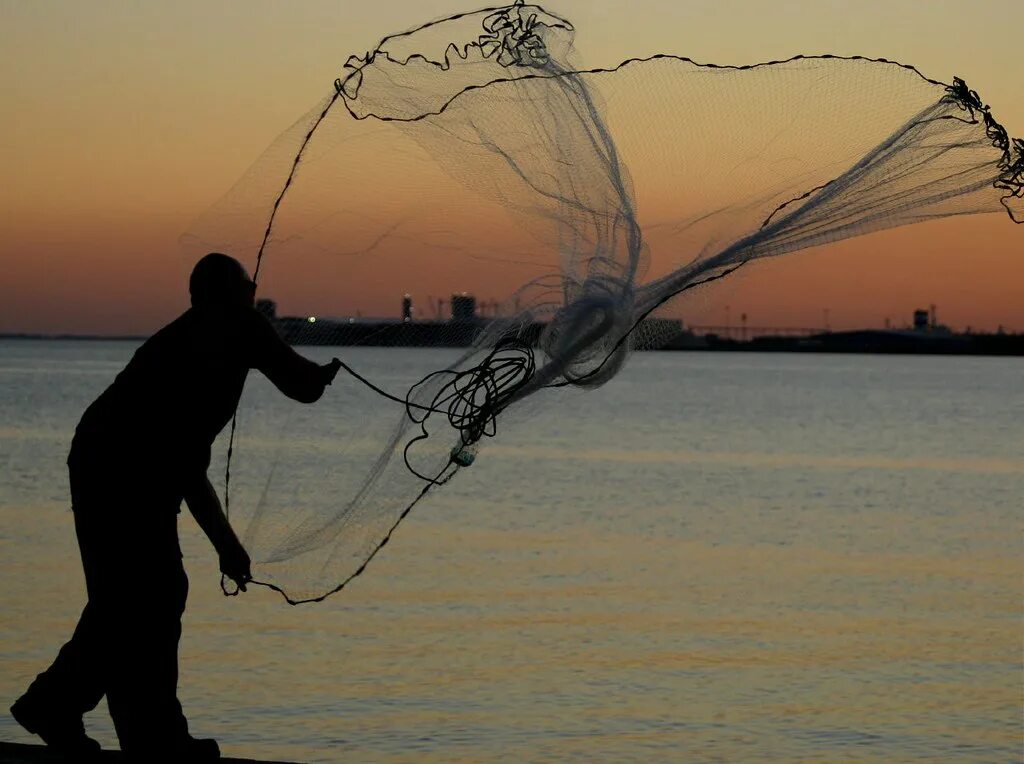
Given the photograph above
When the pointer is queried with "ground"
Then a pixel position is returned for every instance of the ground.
(18, 753)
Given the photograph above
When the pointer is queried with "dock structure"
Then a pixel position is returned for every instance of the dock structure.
(21, 753)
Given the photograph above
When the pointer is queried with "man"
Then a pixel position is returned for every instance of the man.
(140, 449)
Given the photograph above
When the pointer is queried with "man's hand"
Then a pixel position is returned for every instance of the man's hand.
(330, 370)
(202, 501)
(235, 564)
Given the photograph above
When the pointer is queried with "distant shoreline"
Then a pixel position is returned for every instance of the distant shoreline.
(91, 337)
(864, 341)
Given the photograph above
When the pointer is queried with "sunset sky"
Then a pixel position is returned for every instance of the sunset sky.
(125, 122)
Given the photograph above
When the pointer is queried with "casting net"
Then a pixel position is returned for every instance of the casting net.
(473, 154)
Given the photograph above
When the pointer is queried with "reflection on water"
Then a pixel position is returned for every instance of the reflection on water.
(713, 558)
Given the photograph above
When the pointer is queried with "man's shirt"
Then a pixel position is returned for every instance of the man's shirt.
(160, 416)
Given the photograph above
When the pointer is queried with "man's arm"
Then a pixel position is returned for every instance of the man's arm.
(205, 507)
(297, 377)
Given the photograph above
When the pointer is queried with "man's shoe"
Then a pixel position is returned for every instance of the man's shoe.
(188, 750)
(202, 749)
(194, 750)
(66, 735)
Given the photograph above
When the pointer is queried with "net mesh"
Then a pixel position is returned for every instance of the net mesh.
(472, 154)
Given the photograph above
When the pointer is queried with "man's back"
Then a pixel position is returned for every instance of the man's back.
(163, 411)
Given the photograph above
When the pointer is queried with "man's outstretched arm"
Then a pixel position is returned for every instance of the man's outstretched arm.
(297, 377)
(205, 507)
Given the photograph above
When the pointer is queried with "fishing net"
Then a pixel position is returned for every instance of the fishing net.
(473, 154)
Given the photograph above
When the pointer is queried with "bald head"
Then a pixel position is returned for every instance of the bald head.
(220, 281)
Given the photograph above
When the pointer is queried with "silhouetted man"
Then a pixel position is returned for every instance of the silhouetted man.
(140, 449)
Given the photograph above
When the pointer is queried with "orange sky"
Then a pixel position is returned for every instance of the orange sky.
(124, 122)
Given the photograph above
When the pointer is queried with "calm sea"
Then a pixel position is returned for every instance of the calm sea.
(716, 557)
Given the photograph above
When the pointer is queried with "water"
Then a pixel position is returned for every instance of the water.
(714, 558)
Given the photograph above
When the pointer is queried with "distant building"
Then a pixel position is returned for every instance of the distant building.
(926, 321)
(463, 307)
(407, 308)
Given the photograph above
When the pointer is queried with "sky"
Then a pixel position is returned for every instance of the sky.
(127, 121)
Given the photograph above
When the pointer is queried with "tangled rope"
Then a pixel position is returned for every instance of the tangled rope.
(470, 400)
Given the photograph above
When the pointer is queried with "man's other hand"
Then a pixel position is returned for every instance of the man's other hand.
(330, 370)
(235, 564)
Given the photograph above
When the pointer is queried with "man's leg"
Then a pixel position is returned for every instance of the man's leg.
(73, 685)
(145, 618)
(54, 703)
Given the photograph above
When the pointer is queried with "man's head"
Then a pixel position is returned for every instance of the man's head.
(220, 281)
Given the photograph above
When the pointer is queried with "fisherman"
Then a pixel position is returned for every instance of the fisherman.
(140, 449)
